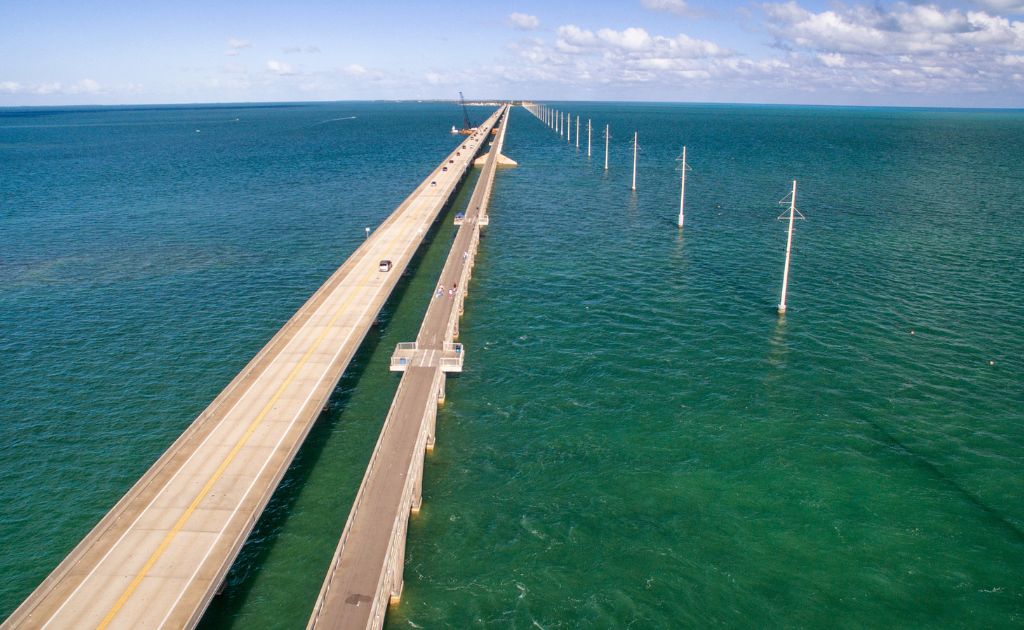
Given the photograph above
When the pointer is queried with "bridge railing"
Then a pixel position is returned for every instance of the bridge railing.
(452, 358)
(403, 355)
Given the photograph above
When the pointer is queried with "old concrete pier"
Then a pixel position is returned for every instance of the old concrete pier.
(366, 572)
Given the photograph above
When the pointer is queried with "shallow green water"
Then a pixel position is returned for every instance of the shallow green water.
(637, 439)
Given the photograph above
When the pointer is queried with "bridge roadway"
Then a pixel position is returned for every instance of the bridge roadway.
(366, 572)
(156, 559)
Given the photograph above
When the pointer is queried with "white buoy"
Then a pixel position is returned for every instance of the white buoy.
(577, 131)
(561, 124)
(682, 190)
(606, 136)
(589, 132)
(636, 135)
(367, 232)
(568, 131)
(793, 214)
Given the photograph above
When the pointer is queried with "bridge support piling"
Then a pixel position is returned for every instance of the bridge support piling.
(417, 484)
(396, 568)
(440, 402)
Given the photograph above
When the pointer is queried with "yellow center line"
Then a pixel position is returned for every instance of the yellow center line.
(169, 538)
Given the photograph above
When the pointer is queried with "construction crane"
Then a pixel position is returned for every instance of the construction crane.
(467, 127)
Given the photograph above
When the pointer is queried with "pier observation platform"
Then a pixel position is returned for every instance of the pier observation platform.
(158, 557)
(366, 573)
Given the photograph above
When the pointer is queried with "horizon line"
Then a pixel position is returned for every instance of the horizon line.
(473, 102)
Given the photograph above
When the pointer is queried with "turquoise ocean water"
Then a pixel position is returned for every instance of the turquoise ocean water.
(637, 441)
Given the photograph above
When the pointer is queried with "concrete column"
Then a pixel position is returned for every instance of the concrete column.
(396, 566)
(416, 500)
(431, 422)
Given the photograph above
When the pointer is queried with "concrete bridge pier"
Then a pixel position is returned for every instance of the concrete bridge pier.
(440, 401)
(394, 577)
(416, 501)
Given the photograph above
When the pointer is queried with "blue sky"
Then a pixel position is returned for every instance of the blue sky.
(965, 53)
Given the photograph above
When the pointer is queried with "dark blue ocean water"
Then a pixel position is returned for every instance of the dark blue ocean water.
(638, 439)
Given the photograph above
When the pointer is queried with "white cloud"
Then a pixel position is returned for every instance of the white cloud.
(1003, 6)
(572, 38)
(434, 78)
(631, 38)
(903, 52)
(906, 29)
(85, 86)
(832, 60)
(280, 68)
(929, 19)
(47, 88)
(523, 21)
(235, 46)
(354, 70)
(903, 48)
(582, 57)
(679, 7)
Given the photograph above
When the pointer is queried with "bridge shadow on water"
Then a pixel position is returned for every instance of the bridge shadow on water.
(888, 439)
(351, 421)
(994, 516)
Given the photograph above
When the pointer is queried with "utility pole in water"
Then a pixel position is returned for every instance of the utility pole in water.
(682, 190)
(793, 214)
(635, 136)
(606, 136)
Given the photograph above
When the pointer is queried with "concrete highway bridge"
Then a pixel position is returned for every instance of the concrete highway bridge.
(160, 554)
